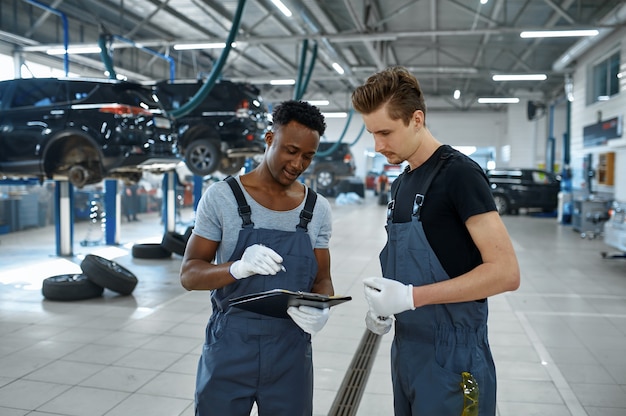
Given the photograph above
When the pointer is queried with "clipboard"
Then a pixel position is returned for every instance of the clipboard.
(276, 301)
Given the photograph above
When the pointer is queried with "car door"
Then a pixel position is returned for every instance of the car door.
(544, 188)
(35, 113)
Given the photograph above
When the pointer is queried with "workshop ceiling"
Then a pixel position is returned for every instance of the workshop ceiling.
(448, 44)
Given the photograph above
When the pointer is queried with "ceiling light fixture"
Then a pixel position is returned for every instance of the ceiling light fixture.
(279, 4)
(457, 94)
(210, 45)
(282, 82)
(498, 100)
(558, 33)
(318, 102)
(74, 50)
(519, 77)
(338, 68)
(339, 114)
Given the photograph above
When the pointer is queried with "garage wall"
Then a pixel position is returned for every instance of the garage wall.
(526, 139)
(584, 115)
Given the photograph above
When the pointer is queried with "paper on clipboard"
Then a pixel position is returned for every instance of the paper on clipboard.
(275, 302)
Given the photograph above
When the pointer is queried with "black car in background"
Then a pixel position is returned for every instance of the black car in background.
(225, 128)
(82, 130)
(514, 188)
(333, 162)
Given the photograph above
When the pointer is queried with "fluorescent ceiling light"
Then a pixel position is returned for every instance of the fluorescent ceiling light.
(498, 100)
(335, 115)
(210, 45)
(519, 77)
(282, 81)
(318, 102)
(338, 68)
(74, 50)
(282, 7)
(558, 33)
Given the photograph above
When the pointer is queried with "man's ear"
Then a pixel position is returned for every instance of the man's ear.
(269, 137)
(418, 118)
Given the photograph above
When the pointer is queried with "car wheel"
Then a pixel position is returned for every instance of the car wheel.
(78, 176)
(174, 242)
(150, 251)
(108, 274)
(202, 157)
(70, 287)
(502, 204)
(231, 165)
(324, 179)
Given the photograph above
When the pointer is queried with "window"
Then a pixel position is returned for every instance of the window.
(604, 82)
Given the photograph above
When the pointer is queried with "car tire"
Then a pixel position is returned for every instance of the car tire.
(150, 251)
(174, 242)
(231, 165)
(66, 287)
(108, 274)
(324, 179)
(203, 157)
(187, 233)
(502, 204)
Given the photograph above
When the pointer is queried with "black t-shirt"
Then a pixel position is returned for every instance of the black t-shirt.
(459, 191)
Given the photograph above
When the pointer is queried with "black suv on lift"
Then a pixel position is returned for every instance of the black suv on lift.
(514, 188)
(333, 162)
(82, 130)
(228, 126)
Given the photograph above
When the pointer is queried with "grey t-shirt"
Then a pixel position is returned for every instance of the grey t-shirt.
(217, 219)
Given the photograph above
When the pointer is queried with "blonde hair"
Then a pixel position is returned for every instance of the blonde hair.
(394, 86)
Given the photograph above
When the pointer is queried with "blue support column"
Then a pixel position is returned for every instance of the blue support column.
(169, 202)
(197, 191)
(64, 218)
(112, 207)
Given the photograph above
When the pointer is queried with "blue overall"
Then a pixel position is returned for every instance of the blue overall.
(249, 357)
(434, 344)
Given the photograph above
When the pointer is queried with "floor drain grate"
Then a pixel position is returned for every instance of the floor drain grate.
(349, 395)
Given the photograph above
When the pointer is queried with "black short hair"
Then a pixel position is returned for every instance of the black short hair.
(299, 111)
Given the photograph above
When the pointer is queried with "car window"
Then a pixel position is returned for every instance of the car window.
(79, 91)
(543, 177)
(4, 87)
(38, 93)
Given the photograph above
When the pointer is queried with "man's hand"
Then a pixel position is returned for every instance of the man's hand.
(378, 324)
(387, 297)
(310, 319)
(257, 259)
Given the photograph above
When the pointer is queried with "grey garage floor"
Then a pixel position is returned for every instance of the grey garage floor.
(559, 341)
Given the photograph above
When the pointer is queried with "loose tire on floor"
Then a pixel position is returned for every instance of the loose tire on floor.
(187, 233)
(174, 242)
(108, 274)
(70, 287)
(150, 251)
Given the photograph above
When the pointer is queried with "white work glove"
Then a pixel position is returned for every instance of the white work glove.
(378, 324)
(387, 297)
(257, 259)
(309, 318)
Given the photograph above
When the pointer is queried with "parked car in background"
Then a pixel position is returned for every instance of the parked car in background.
(82, 130)
(225, 128)
(615, 229)
(333, 162)
(514, 188)
(391, 173)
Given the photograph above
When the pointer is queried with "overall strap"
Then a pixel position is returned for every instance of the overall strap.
(307, 212)
(244, 209)
(419, 196)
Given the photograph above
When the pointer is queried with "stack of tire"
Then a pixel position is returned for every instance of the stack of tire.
(172, 242)
(98, 273)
